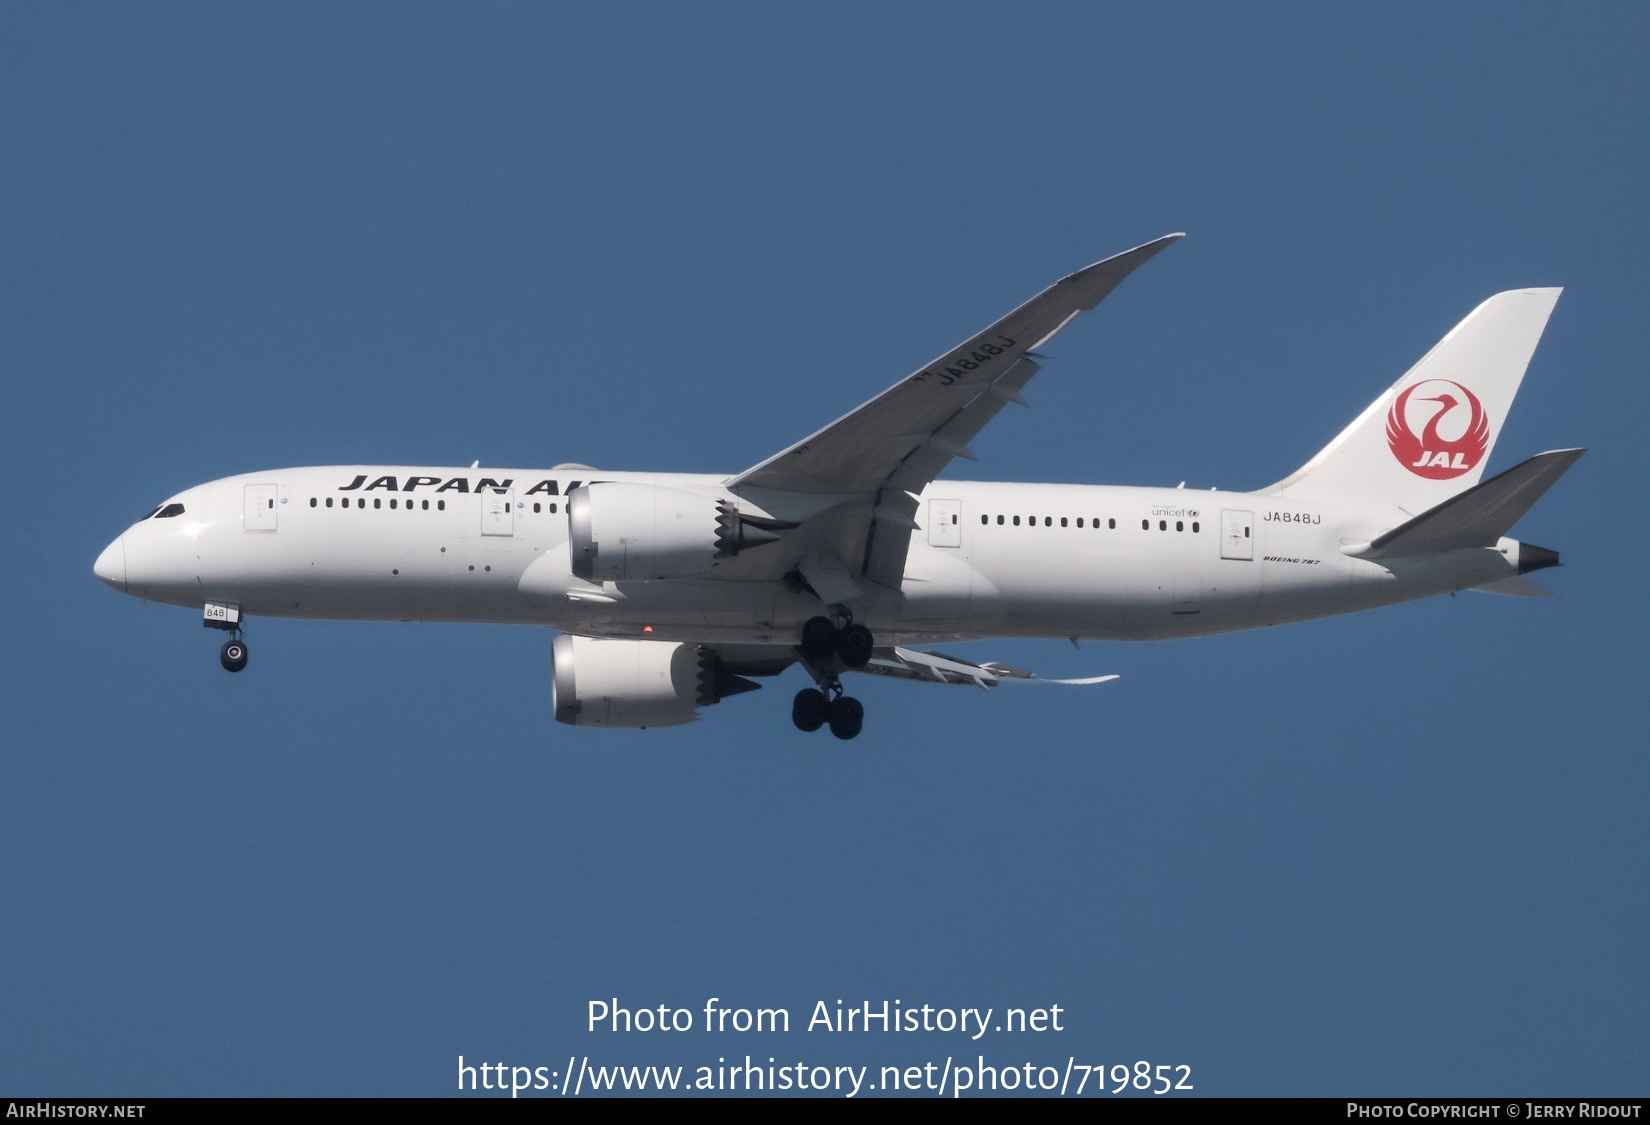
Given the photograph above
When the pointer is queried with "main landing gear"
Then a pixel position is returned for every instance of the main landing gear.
(813, 709)
(821, 640)
(826, 646)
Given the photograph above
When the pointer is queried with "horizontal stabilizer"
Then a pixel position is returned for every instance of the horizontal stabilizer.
(1515, 587)
(1478, 517)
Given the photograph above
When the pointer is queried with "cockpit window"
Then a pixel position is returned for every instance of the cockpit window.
(168, 511)
(153, 512)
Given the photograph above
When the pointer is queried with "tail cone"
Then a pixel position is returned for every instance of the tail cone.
(1531, 557)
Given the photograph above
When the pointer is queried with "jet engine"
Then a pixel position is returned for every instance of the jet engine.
(618, 531)
(601, 682)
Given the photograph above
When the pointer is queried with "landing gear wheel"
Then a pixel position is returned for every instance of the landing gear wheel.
(810, 709)
(233, 655)
(854, 645)
(846, 717)
(818, 638)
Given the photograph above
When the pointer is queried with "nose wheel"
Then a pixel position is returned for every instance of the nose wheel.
(218, 615)
(233, 654)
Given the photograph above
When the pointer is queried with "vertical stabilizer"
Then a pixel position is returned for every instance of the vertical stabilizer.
(1430, 435)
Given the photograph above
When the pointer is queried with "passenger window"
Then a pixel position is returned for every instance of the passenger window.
(1110, 524)
(535, 507)
(1162, 525)
(1016, 521)
(1048, 521)
(1062, 521)
(377, 503)
(441, 505)
(1179, 525)
(1194, 527)
(312, 501)
(1145, 525)
(999, 521)
(329, 501)
(425, 505)
(1080, 522)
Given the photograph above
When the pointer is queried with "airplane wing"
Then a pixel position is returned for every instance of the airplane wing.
(933, 667)
(867, 465)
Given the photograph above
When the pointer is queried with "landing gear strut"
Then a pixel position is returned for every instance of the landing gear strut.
(826, 646)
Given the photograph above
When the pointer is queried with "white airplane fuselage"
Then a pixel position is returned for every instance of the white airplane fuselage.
(844, 550)
(987, 559)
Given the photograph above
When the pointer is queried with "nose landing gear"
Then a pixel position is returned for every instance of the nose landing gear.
(227, 617)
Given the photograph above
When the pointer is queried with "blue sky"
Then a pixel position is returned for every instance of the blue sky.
(1400, 853)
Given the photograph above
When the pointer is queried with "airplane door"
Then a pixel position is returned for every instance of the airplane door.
(498, 512)
(262, 513)
(945, 523)
(1237, 535)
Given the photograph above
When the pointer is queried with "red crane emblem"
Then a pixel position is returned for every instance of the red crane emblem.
(1433, 455)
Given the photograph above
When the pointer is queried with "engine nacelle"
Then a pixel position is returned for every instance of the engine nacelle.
(618, 531)
(602, 682)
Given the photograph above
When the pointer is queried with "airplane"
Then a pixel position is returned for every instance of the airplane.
(845, 552)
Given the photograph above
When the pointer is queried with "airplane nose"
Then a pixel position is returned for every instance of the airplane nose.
(111, 564)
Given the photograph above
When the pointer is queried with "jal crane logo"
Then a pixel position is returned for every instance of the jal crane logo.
(1454, 434)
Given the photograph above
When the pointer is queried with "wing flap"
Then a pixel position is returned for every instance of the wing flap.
(934, 667)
